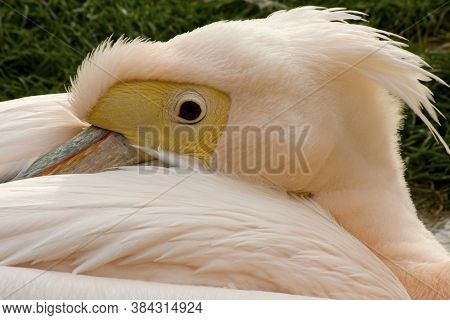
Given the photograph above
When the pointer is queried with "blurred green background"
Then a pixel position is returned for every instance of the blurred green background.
(43, 41)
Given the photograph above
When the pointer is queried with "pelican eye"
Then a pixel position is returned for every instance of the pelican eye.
(190, 111)
(190, 108)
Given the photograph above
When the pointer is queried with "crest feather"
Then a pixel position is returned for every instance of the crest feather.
(214, 55)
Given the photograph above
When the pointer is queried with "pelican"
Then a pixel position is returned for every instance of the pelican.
(207, 234)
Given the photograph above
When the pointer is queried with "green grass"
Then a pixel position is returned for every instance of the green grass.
(43, 42)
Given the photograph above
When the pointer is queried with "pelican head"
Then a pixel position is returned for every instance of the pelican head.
(334, 88)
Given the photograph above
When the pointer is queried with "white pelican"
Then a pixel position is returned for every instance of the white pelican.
(297, 68)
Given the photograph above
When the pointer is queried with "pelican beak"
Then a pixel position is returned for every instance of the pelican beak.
(92, 150)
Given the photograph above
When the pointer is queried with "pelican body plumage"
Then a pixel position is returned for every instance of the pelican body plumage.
(82, 210)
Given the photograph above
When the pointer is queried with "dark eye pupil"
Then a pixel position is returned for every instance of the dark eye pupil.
(190, 111)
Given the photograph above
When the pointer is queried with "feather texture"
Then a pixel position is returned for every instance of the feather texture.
(21, 283)
(189, 228)
(284, 47)
(32, 126)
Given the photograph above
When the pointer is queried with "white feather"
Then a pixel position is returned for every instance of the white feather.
(32, 126)
(25, 283)
(194, 228)
(216, 231)
(240, 55)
